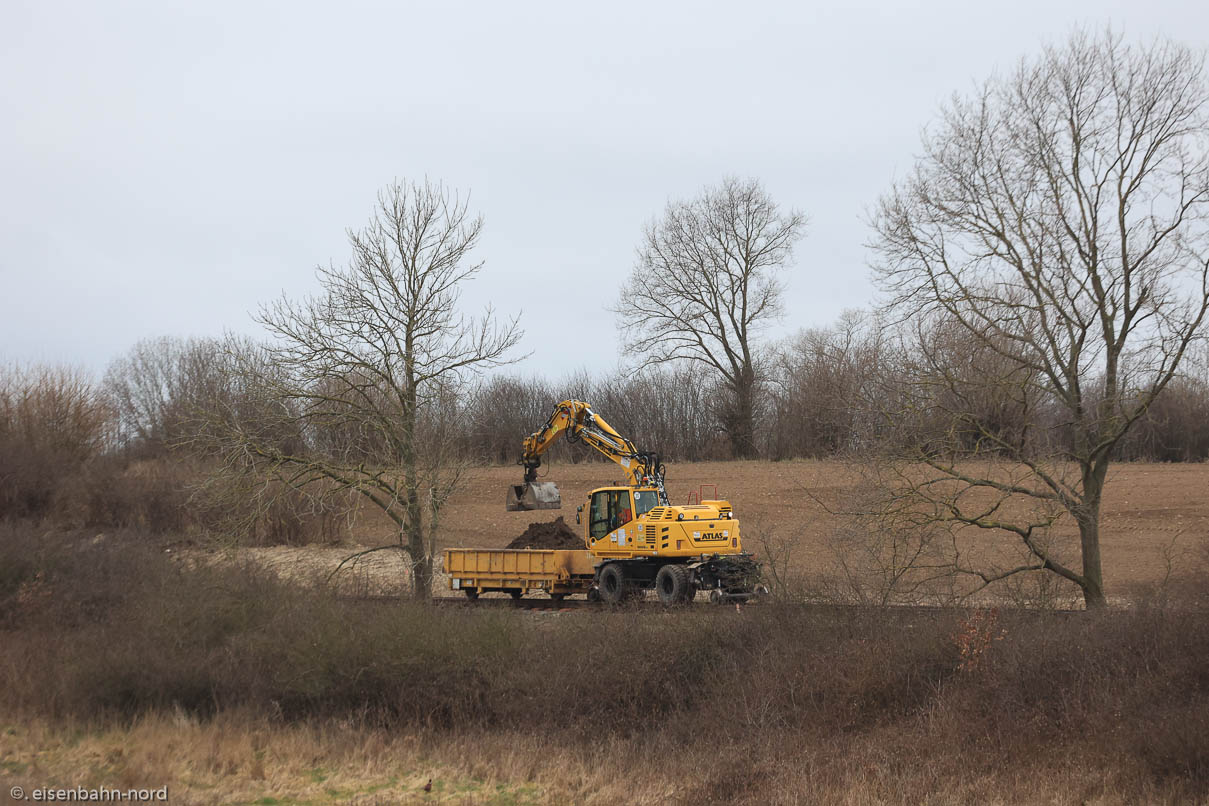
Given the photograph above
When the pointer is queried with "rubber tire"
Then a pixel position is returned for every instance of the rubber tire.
(673, 585)
(614, 587)
(471, 593)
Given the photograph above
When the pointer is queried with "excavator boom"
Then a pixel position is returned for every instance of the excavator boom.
(634, 539)
(575, 420)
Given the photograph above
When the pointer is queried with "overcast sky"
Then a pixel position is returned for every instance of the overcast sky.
(166, 167)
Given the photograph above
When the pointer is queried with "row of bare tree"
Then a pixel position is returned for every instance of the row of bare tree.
(1044, 271)
(862, 386)
(825, 393)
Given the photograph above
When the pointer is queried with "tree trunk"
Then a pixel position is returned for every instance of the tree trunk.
(1088, 518)
(742, 421)
(1093, 587)
(422, 572)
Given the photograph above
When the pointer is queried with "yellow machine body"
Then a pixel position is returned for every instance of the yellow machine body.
(629, 522)
(635, 539)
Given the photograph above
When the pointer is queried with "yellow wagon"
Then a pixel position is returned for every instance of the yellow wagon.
(558, 572)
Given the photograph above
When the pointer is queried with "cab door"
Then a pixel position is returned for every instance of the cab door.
(609, 511)
(598, 515)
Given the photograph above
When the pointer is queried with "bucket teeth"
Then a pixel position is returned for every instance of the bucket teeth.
(534, 495)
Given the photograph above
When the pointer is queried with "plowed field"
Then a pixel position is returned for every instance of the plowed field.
(1151, 512)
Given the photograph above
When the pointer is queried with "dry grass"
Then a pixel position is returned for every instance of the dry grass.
(123, 668)
(240, 759)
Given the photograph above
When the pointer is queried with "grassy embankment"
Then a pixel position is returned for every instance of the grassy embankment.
(121, 667)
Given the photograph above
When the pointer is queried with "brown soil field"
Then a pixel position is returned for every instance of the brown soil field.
(1154, 515)
(1155, 521)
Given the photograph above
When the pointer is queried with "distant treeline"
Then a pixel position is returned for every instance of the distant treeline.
(67, 442)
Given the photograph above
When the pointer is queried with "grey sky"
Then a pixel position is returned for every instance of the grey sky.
(166, 167)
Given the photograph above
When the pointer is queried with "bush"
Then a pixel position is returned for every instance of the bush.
(116, 629)
(52, 422)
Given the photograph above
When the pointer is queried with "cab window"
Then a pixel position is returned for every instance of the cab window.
(610, 510)
(644, 501)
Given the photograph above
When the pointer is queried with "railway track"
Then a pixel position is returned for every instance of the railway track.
(536, 604)
(654, 606)
(527, 604)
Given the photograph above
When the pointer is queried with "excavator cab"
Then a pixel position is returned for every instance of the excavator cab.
(533, 495)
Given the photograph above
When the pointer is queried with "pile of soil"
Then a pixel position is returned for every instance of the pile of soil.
(555, 534)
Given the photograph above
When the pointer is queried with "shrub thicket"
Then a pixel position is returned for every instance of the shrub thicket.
(115, 629)
(126, 453)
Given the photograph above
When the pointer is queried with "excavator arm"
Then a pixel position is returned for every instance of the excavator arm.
(575, 420)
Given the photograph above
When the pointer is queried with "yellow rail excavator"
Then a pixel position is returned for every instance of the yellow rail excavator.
(638, 539)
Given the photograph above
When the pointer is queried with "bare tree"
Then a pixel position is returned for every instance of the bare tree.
(1059, 221)
(1176, 426)
(362, 379)
(157, 387)
(505, 410)
(53, 421)
(705, 284)
(819, 379)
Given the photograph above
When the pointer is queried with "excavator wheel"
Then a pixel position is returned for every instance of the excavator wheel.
(673, 585)
(614, 587)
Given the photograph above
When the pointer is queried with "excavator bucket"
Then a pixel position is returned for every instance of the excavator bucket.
(534, 495)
